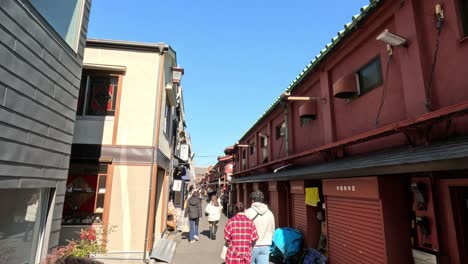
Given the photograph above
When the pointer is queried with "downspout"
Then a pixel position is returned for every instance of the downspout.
(162, 50)
(286, 130)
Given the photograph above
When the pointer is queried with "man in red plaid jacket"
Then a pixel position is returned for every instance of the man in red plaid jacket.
(240, 235)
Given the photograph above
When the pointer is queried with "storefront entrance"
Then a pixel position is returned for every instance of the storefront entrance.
(454, 215)
(460, 215)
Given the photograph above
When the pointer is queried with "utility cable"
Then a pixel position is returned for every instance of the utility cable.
(439, 22)
(384, 90)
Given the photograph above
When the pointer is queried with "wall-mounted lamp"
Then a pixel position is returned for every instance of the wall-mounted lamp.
(392, 39)
(241, 145)
(287, 96)
(177, 73)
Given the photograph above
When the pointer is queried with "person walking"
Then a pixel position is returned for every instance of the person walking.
(240, 235)
(194, 213)
(265, 223)
(213, 210)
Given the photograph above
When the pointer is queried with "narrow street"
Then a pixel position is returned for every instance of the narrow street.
(204, 251)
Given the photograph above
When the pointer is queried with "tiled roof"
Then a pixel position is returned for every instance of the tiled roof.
(355, 20)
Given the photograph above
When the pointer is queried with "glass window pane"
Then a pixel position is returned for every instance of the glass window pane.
(464, 15)
(22, 212)
(102, 95)
(63, 15)
(370, 76)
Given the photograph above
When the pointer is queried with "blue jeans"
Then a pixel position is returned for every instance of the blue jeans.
(261, 255)
(193, 228)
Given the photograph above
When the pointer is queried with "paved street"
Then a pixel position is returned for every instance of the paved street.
(205, 251)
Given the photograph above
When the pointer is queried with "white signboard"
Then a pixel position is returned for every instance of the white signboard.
(184, 149)
(177, 186)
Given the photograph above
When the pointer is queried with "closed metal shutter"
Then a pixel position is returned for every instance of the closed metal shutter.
(355, 231)
(299, 210)
(274, 205)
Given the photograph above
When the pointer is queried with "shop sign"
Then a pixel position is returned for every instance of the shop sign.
(184, 151)
(272, 186)
(177, 185)
(367, 187)
(297, 187)
(346, 188)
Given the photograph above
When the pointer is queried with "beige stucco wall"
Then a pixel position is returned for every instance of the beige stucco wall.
(128, 208)
(138, 98)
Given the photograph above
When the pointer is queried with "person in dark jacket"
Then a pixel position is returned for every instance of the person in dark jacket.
(194, 213)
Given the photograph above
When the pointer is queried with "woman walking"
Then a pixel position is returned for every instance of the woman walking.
(213, 211)
(240, 235)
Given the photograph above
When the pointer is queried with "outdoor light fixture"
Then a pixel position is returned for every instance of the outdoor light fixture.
(177, 73)
(392, 39)
(287, 96)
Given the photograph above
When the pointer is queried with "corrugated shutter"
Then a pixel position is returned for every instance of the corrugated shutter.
(274, 205)
(355, 231)
(299, 212)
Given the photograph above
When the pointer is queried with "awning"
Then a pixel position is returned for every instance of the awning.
(441, 156)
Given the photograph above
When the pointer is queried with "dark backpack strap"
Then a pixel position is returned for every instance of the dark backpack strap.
(255, 217)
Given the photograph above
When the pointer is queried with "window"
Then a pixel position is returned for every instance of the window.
(263, 141)
(306, 120)
(244, 159)
(281, 130)
(23, 214)
(64, 16)
(464, 15)
(98, 95)
(252, 148)
(370, 76)
(167, 120)
(86, 193)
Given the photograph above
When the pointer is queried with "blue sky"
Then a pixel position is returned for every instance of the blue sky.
(238, 55)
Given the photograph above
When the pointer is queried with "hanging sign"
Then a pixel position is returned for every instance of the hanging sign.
(184, 151)
(177, 186)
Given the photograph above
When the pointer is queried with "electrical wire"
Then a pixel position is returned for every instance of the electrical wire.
(428, 102)
(384, 90)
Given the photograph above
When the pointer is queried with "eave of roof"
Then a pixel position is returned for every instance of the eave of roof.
(128, 45)
(444, 155)
(348, 28)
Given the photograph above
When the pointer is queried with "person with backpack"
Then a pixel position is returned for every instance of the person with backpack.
(264, 221)
(194, 213)
(213, 211)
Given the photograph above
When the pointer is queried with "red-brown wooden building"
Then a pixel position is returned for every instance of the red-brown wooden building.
(382, 132)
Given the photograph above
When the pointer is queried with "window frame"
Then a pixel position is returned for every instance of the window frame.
(380, 76)
(252, 148)
(87, 74)
(50, 28)
(280, 130)
(45, 207)
(263, 142)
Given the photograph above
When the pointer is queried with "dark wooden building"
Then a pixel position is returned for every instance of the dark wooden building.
(377, 122)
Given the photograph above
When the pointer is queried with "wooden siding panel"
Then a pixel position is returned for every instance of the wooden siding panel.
(39, 84)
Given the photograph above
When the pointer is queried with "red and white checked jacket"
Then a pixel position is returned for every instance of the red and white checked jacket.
(240, 234)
